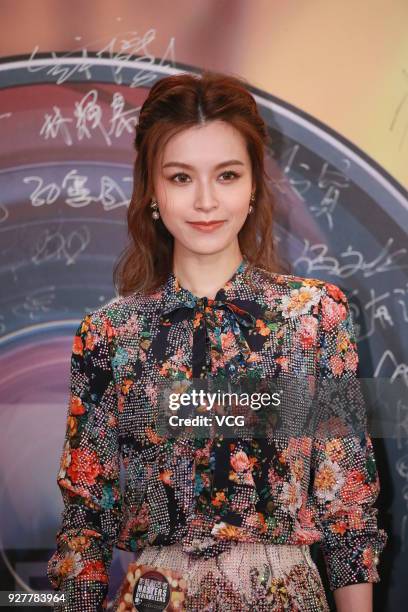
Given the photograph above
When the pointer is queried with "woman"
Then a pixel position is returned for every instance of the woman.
(202, 297)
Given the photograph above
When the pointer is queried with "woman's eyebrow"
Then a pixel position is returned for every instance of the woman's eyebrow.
(231, 162)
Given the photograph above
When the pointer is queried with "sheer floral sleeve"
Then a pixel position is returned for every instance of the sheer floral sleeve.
(345, 478)
(89, 475)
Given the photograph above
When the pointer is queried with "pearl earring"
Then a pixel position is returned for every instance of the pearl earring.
(154, 205)
(252, 199)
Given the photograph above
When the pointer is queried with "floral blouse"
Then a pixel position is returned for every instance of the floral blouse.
(204, 495)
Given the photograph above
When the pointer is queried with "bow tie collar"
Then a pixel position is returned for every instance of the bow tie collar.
(180, 303)
(204, 305)
(236, 297)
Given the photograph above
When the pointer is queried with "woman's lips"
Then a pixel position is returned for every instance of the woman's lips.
(206, 227)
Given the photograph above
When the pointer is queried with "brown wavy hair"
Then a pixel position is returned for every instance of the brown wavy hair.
(176, 103)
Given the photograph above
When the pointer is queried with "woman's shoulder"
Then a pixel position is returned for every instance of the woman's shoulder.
(296, 294)
(289, 282)
(122, 309)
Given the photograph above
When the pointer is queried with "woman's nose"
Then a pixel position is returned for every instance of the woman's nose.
(205, 200)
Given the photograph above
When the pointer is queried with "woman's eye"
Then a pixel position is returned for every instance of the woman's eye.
(231, 173)
(177, 175)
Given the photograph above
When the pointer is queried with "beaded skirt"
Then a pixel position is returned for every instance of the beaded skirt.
(248, 577)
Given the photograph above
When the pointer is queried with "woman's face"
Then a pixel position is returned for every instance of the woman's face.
(204, 175)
